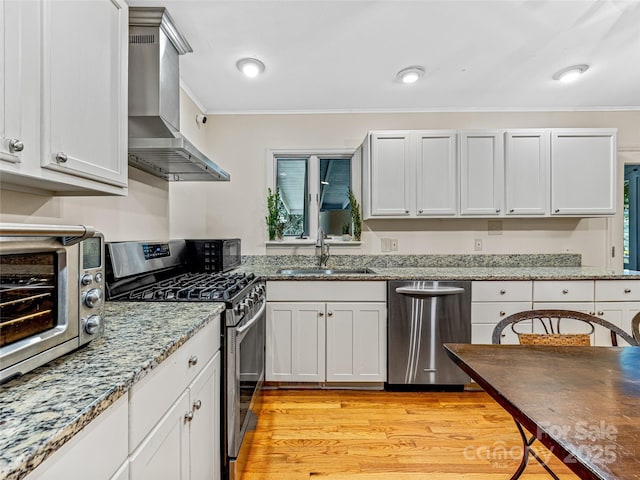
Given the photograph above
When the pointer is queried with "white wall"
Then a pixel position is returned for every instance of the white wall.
(156, 209)
(239, 143)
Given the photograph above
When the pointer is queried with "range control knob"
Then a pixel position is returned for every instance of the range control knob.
(92, 324)
(93, 298)
(86, 279)
(242, 308)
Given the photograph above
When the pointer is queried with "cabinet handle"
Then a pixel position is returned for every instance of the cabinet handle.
(61, 157)
(15, 145)
(497, 210)
(193, 360)
(600, 313)
(502, 335)
(511, 210)
(406, 211)
(592, 313)
(565, 291)
(321, 314)
(502, 313)
(330, 314)
(627, 290)
(197, 405)
(557, 210)
(188, 416)
(420, 211)
(502, 292)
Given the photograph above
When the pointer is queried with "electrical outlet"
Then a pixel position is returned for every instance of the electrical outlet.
(477, 244)
(394, 244)
(385, 244)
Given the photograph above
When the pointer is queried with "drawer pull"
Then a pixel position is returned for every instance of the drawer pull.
(330, 314)
(502, 292)
(188, 416)
(197, 405)
(61, 157)
(321, 314)
(600, 313)
(565, 291)
(503, 335)
(502, 313)
(627, 290)
(193, 360)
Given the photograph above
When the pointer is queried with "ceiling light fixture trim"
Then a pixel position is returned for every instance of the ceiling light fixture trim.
(410, 74)
(250, 67)
(570, 74)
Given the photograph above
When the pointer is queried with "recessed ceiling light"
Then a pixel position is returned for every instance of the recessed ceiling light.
(570, 74)
(410, 74)
(251, 67)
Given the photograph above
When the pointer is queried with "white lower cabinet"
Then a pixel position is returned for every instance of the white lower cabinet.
(340, 339)
(100, 448)
(491, 302)
(176, 436)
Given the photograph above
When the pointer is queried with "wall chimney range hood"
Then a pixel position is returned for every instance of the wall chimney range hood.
(155, 142)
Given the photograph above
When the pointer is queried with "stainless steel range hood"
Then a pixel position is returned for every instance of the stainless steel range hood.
(155, 142)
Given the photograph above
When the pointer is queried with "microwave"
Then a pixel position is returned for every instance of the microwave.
(51, 293)
(217, 255)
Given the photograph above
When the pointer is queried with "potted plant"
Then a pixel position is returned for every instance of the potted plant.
(345, 232)
(356, 221)
(275, 225)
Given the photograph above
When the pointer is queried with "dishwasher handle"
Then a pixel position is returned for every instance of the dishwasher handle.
(423, 292)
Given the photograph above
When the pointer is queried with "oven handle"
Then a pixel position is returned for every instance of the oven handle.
(70, 234)
(249, 324)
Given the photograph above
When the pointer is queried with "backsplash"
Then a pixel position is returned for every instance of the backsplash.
(440, 261)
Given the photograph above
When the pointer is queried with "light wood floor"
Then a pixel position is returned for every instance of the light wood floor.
(365, 435)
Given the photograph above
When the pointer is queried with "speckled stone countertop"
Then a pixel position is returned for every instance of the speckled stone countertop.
(43, 409)
(438, 267)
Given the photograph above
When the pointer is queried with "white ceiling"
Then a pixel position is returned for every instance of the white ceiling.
(343, 56)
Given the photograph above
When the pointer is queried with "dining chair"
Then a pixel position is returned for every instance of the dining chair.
(555, 328)
(558, 328)
(635, 327)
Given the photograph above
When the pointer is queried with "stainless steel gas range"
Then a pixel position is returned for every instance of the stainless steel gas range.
(164, 272)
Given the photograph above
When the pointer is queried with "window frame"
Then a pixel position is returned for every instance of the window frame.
(314, 155)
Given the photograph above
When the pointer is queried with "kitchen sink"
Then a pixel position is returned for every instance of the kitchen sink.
(325, 271)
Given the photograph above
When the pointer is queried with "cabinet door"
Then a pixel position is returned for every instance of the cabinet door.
(204, 439)
(356, 342)
(295, 343)
(391, 174)
(486, 315)
(618, 313)
(164, 453)
(437, 174)
(527, 172)
(583, 172)
(84, 105)
(19, 78)
(481, 173)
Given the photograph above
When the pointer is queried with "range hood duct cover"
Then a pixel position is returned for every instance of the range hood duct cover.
(155, 142)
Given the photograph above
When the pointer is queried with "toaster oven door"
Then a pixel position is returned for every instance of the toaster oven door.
(38, 305)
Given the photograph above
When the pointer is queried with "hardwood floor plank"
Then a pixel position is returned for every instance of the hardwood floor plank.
(370, 435)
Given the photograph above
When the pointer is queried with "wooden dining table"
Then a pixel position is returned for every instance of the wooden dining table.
(582, 403)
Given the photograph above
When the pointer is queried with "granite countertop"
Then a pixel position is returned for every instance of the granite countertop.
(43, 409)
(268, 272)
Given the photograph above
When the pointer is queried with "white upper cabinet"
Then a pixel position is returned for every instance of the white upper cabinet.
(527, 155)
(583, 171)
(481, 173)
(391, 169)
(63, 101)
(410, 174)
(436, 173)
(85, 88)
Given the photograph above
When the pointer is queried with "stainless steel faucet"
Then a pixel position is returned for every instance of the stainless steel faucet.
(322, 249)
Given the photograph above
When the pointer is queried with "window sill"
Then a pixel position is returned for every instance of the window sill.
(297, 242)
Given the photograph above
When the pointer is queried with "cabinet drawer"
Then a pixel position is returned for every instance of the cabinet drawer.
(617, 291)
(563, 291)
(326, 291)
(153, 395)
(489, 312)
(510, 291)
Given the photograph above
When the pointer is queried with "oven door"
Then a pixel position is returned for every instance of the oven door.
(38, 304)
(245, 344)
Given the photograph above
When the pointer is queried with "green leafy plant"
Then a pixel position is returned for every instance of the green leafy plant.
(345, 229)
(275, 225)
(356, 221)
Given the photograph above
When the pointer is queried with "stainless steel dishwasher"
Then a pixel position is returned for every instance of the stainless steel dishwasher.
(422, 316)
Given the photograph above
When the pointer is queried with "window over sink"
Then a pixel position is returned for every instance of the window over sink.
(314, 191)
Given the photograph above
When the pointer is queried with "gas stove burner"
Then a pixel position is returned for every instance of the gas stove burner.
(212, 287)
